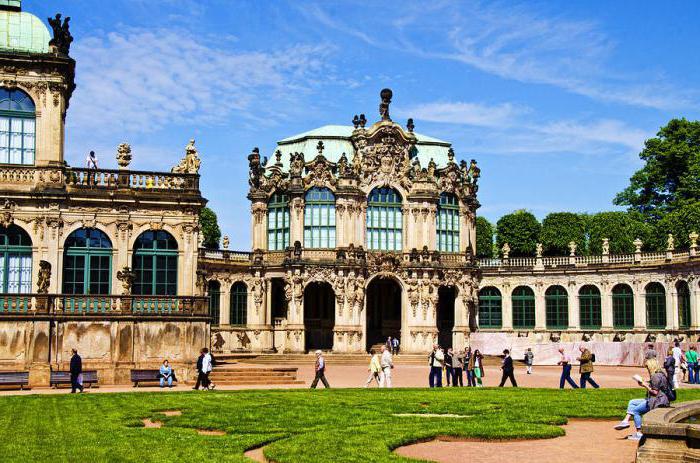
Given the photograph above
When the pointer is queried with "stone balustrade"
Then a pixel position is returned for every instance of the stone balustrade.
(126, 179)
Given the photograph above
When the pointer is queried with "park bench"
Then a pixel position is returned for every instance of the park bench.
(14, 378)
(147, 376)
(59, 378)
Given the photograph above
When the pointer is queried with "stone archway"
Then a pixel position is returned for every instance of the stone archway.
(383, 311)
(319, 316)
(445, 315)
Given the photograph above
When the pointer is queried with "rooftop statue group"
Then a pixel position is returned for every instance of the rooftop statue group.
(62, 37)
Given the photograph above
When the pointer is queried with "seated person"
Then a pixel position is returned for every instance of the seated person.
(658, 391)
(166, 374)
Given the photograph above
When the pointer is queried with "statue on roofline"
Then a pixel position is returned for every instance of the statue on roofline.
(190, 163)
(62, 37)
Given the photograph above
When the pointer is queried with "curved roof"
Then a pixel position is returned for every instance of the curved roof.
(337, 140)
(23, 32)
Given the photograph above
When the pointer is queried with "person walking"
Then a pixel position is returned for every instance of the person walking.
(565, 362)
(529, 360)
(375, 370)
(586, 367)
(658, 392)
(448, 367)
(387, 364)
(395, 346)
(166, 374)
(201, 378)
(478, 368)
(678, 358)
(320, 368)
(457, 367)
(207, 367)
(691, 359)
(469, 367)
(508, 370)
(76, 372)
(436, 360)
(670, 366)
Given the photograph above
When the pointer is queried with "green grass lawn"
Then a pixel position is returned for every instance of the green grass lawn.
(351, 425)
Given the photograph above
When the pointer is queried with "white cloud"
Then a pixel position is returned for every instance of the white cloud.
(475, 114)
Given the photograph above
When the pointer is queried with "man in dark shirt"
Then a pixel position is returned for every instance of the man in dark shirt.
(201, 377)
(507, 368)
(76, 369)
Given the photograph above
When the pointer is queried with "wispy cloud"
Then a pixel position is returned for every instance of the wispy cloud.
(469, 113)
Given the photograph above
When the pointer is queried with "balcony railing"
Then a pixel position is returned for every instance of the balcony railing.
(64, 304)
(647, 258)
(130, 179)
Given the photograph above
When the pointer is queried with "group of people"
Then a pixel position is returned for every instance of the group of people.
(455, 365)
(679, 366)
(380, 366)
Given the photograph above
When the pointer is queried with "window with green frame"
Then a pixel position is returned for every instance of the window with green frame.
(214, 291)
(523, 300)
(239, 304)
(319, 218)
(278, 222)
(683, 304)
(655, 297)
(384, 220)
(448, 223)
(490, 308)
(87, 262)
(15, 261)
(589, 307)
(623, 307)
(17, 127)
(557, 307)
(155, 264)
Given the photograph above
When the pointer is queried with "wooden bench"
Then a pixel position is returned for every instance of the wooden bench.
(59, 378)
(147, 376)
(14, 378)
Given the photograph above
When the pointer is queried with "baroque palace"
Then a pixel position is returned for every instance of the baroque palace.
(359, 232)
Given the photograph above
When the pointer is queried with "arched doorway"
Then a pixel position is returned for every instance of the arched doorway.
(383, 311)
(319, 316)
(445, 316)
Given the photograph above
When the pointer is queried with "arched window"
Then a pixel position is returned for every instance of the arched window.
(155, 264)
(87, 262)
(623, 307)
(448, 223)
(239, 304)
(319, 218)
(490, 308)
(557, 307)
(384, 220)
(589, 307)
(17, 127)
(683, 305)
(656, 306)
(214, 291)
(278, 222)
(15, 261)
(523, 300)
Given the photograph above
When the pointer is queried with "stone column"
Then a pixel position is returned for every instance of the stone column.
(431, 227)
(258, 220)
(506, 309)
(606, 308)
(574, 309)
(225, 303)
(671, 307)
(694, 304)
(540, 308)
(296, 221)
(640, 307)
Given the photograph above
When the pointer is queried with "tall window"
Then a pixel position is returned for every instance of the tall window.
(683, 305)
(384, 220)
(155, 264)
(448, 223)
(278, 222)
(15, 261)
(557, 307)
(623, 307)
(17, 127)
(239, 303)
(656, 306)
(319, 218)
(214, 291)
(490, 308)
(87, 262)
(523, 299)
(589, 307)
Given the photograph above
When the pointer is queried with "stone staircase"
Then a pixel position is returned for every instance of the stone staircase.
(227, 374)
(331, 359)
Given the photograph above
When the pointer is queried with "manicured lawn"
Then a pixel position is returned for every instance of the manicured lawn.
(303, 426)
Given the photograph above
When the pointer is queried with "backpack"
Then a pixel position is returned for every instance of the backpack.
(592, 358)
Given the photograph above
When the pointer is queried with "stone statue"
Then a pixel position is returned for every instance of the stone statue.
(226, 242)
(123, 155)
(606, 246)
(201, 240)
(538, 249)
(693, 236)
(474, 171)
(505, 250)
(385, 95)
(670, 243)
(44, 280)
(62, 37)
(637, 245)
(296, 164)
(256, 170)
(410, 125)
(343, 169)
(127, 277)
(572, 248)
(190, 163)
(297, 250)
(431, 169)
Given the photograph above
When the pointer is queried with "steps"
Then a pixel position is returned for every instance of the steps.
(231, 375)
(331, 359)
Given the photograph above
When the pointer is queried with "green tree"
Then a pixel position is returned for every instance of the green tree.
(561, 228)
(484, 238)
(210, 228)
(520, 230)
(620, 228)
(680, 223)
(670, 177)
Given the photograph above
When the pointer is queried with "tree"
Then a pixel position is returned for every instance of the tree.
(561, 228)
(520, 230)
(210, 228)
(670, 177)
(621, 228)
(484, 238)
(680, 223)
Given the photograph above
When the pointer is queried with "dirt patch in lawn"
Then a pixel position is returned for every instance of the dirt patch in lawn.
(147, 423)
(257, 454)
(592, 440)
(429, 415)
(210, 432)
(171, 412)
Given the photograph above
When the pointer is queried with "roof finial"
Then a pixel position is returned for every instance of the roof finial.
(385, 95)
(410, 125)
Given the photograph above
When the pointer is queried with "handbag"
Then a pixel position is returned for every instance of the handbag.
(80, 379)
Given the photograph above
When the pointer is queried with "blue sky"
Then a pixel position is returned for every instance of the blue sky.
(554, 99)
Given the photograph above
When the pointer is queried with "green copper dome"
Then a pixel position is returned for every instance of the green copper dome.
(20, 31)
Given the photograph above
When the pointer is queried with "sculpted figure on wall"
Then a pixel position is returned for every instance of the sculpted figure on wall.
(44, 279)
(190, 163)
